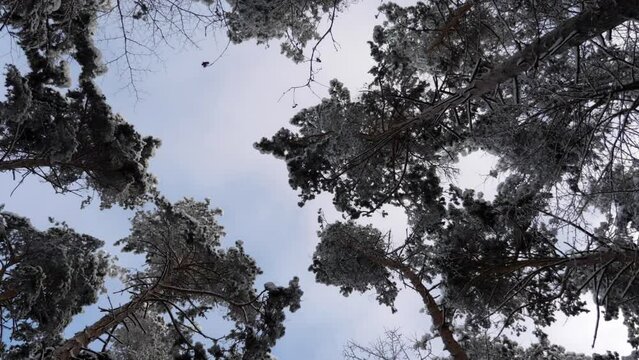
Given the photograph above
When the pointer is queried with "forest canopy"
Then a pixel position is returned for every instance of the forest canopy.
(547, 88)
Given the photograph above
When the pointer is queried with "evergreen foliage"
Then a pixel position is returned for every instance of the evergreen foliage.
(73, 140)
(46, 277)
(550, 90)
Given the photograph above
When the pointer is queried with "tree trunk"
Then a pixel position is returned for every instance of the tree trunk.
(571, 33)
(593, 258)
(438, 316)
(73, 346)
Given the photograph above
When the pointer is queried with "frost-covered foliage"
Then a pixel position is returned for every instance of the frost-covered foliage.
(296, 22)
(143, 25)
(341, 148)
(71, 139)
(49, 30)
(187, 274)
(147, 337)
(185, 261)
(550, 90)
(46, 278)
(343, 258)
(501, 348)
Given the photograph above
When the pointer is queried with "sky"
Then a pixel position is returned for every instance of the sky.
(208, 120)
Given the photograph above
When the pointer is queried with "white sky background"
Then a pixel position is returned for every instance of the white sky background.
(208, 120)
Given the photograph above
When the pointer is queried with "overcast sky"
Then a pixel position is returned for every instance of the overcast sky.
(208, 120)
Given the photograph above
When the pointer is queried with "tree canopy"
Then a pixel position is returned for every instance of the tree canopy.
(550, 90)
(39, 297)
(72, 139)
(186, 274)
(49, 276)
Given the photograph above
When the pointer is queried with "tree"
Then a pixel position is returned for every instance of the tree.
(46, 277)
(296, 22)
(293, 23)
(186, 274)
(393, 346)
(550, 90)
(147, 339)
(73, 141)
(141, 26)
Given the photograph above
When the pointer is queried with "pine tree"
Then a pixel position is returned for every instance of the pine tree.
(550, 90)
(72, 139)
(46, 277)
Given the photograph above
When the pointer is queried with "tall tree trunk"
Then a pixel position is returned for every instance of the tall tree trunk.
(435, 312)
(570, 33)
(438, 316)
(593, 258)
(74, 345)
